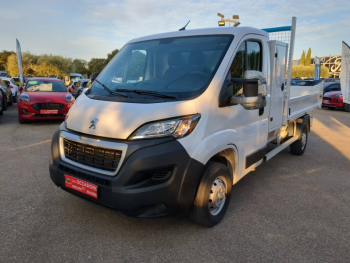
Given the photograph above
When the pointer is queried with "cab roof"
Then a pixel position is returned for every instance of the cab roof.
(236, 31)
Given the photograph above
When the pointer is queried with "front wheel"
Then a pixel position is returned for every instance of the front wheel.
(14, 99)
(20, 121)
(346, 107)
(213, 195)
(10, 103)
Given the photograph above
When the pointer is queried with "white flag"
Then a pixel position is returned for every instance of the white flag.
(19, 61)
(345, 73)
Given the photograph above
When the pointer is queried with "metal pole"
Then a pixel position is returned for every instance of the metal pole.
(289, 75)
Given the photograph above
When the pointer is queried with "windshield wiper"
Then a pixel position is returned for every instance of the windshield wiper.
(110, 91)
(149, 92)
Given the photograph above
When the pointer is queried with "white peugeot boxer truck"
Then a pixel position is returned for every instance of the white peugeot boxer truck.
(176, 119)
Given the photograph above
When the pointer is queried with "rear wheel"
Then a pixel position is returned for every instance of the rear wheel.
(298, 147)
(4, 102)
(213, 195)
(346, 107)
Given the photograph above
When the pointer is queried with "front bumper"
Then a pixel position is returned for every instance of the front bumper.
(156, 178)
(26, 112)
(334, 103)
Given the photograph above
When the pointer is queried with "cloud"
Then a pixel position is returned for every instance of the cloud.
(87, 29)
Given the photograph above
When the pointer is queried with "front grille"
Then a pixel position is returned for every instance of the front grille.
(97, 157)
(327, 98)
(48, 106)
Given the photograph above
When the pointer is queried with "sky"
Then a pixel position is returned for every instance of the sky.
(90, 29)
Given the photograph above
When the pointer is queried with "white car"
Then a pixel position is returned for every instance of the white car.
(14, 88)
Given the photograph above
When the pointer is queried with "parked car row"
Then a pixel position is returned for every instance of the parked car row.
(39, 97)
(44, 98)
(6, 95)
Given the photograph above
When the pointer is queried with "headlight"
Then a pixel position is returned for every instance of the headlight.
(69, 98)
(178, 127)
(25, 97)
(339, 96)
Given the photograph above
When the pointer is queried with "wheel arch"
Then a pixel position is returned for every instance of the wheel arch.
(305, 120)
(228, 157)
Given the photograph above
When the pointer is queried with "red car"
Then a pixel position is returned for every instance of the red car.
(42, 99)
(333, 99)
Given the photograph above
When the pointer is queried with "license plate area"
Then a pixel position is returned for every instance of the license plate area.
(48, 111)
(81, 186)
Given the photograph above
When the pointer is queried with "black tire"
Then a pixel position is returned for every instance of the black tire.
(14, 99)
(10, 103)
(21, 121)
(1, 110)
(331, 108)
(200, 212)
(4, 102)
(298, 147)
(346, 107)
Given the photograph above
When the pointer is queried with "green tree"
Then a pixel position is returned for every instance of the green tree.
(80, 66)
(29, 62)
(308, 58)
(111, 55)
(54, 65)
(97, 64)
(3, 58)
(302, 59)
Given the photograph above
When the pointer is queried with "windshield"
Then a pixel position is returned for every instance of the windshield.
(181, 67)
(45, 85)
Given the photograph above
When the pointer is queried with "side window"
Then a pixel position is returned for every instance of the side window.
(248, 57)
(238, 64)
(254, 56)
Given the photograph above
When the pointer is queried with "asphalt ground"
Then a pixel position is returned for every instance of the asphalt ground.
(291, 209)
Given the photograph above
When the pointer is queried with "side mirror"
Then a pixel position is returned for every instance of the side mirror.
(20, 89)
(70, 89)
(254, 91)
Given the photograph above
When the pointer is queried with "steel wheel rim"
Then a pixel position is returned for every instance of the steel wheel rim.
(217, 195)
(303, 141)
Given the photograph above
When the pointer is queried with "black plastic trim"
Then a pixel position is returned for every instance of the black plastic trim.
(135, 190)
(255, 157)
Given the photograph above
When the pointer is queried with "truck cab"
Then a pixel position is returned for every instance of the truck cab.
(176, 119)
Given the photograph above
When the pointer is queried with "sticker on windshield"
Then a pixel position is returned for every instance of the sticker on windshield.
(117, 80)
(46, 87)
(32, 82)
